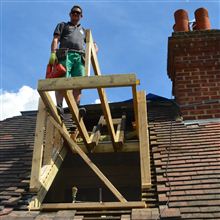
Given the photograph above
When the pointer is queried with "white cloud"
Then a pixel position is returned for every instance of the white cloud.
(25, 99)
(13, 102)
(97, 101)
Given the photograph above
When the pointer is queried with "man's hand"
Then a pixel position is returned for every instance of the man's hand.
(54, 46)
(53, 58)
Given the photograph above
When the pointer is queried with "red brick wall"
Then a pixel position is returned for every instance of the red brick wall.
(194, 68)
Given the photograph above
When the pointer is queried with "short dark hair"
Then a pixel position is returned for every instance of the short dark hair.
(76, 7)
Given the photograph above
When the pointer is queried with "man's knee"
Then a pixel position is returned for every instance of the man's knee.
(77, 92)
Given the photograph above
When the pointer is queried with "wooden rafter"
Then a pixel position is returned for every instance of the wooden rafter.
(103, 98)
(77, 118)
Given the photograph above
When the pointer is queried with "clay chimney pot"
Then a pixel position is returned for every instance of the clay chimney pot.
(181, 21)
(202, 19)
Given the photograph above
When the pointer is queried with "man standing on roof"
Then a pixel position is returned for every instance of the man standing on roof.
(71, 39)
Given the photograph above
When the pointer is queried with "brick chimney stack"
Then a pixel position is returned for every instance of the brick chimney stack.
(194, 66)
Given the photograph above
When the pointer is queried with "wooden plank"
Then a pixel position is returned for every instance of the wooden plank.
(38, 147)
(46, 183)
(120, 133)
(96, 133)
(79, 217)
(144, 140)
(91, 82)
(69, 214)
(93, 205)
(75, 148)
(125, 217)
(74, 136)
(49, 139)
(44, 172)
(77, 118)
(58, 141)
(88, 53)
(134, 92)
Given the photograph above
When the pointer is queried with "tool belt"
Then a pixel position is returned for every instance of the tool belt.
(62, 53)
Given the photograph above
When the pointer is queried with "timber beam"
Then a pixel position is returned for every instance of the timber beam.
(106, 147)
(88, 82)
(93, 205)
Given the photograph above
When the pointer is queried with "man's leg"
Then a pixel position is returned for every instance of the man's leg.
(59, 98)
(60, 94)
(77, 95)
(78, 69)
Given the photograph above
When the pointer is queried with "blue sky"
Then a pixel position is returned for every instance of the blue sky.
(131, 35)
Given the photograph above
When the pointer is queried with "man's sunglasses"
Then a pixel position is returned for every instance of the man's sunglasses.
(76, 12)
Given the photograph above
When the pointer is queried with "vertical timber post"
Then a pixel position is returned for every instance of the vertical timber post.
(38, 147)
(143, 140)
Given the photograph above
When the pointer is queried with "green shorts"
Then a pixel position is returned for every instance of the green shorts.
(74, 64)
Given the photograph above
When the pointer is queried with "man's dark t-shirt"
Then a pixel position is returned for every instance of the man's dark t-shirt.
(71, 37)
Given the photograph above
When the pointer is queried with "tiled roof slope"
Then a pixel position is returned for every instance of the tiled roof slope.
(188, 154)
(187, 161)
(16, 144)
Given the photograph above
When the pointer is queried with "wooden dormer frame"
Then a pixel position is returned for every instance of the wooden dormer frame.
(48, 118)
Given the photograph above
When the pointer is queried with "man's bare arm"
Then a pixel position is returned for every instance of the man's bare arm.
(54, 44)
